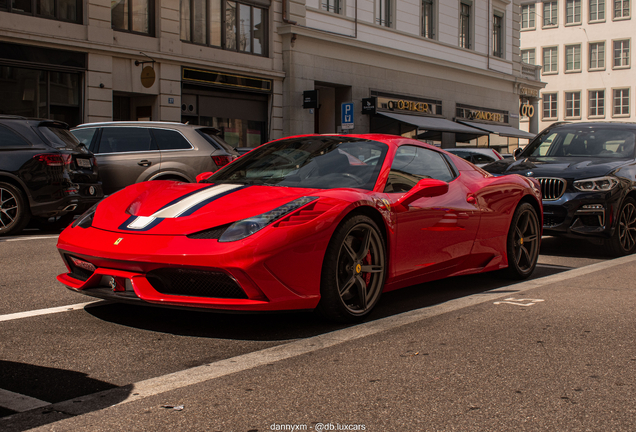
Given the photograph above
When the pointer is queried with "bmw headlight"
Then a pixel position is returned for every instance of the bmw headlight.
(86, 219)
(606, 183)
(246, 227)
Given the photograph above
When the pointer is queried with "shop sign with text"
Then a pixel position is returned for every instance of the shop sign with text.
(473, 113)
(408, 106)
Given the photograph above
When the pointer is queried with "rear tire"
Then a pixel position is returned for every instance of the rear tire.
(623, 242)
(14, 210)
(522, 245)
(353, 271)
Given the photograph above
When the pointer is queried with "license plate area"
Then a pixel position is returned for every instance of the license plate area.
(84, 163)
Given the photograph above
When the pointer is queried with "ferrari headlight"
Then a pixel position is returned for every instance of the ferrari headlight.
(86, 219)
(606, 183)
(246, 227)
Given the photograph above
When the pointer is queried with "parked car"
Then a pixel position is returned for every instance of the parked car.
(303, 223)
(478, 156)
(132, 152)
(45, 173)
(587, 173)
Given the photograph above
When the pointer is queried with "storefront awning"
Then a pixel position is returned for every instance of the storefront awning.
(435, 123)
(501, 130)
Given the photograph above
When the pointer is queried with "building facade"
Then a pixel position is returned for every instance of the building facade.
(584, 48)
(263, 69)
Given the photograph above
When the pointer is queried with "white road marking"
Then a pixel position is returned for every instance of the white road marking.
(177, 380)
(32, 313)
(18, 402)
(517, 302)
(14, 239)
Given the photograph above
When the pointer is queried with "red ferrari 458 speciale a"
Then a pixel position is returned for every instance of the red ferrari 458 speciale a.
(321, 222)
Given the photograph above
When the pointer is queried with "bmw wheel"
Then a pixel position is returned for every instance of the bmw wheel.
(524, 239)
(623, 242)
(354, 270)
(14, 210)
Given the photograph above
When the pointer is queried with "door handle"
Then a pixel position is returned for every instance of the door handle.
(144, 162)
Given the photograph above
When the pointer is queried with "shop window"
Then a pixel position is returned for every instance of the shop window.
(40, 93)
(572, 105)
(225, 24)
(621, 54)
(135, 16)
(498, 35)
(61, 10)
(573, 58)
(597, 56)
(572, 11)
(621, 103)
(550, 14)
(597, 10)
(384, 13)
(621, 9)
(334, 6)
(596, 103)
(550, 106)
(550, 60)
(528, 56)
(465, 38)
(428, 19)
(528, 17)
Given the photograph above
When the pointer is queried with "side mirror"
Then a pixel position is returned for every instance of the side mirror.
(203, 176)
(516, 153)
(423, 189)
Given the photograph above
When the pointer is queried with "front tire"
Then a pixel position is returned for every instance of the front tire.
(353, 271)
(623, 242)
(14, 210)
(522, 245)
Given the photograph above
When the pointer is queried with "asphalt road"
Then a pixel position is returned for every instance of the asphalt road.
(437, 356)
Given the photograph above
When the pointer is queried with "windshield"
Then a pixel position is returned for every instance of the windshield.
(322, 162)
(584, 142)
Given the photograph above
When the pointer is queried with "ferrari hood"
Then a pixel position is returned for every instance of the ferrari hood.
(170, 208)
(573, 168)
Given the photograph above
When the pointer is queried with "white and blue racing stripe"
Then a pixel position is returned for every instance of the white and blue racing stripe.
(185, 205)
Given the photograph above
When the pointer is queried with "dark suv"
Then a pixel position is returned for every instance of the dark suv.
(132, 152)
(45, 173)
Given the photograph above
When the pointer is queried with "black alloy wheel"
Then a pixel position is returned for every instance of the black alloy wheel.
(14, 212)
(623, 242)
(354, 270)
(524, 239)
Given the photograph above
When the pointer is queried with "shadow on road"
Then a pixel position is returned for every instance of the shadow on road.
(293, 325)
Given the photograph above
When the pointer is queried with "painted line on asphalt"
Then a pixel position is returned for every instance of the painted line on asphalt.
(15, 239)
(37, 312)
(198, 374)
(18, 402)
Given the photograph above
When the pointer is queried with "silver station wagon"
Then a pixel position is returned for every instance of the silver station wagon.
(132, 152)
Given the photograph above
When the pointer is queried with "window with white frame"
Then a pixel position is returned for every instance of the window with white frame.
(550, 14)
(550, 60)
(621, 53)
(527, 56)
(621, 9)
(528, 16)
(596, 103)
(572, 58)
(573, 104)
(428, 18)
(464, 25)
(550, 105)
(384, 13)
(597, 55)
(573, 11)
(497, 35)
(621, 102)
(597, 10)
(334, 6)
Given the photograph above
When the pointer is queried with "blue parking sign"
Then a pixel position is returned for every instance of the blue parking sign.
(347, 115)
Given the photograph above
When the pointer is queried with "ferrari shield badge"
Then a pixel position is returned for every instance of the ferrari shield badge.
(118, 241)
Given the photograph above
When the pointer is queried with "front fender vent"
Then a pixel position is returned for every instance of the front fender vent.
(300, 217)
